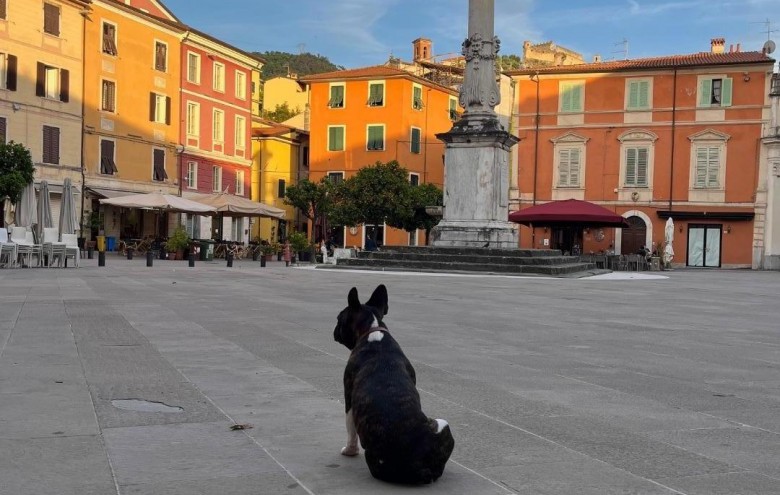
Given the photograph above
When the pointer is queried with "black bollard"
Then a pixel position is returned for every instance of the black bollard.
(262, 261)
(150, 258)
(101, 258)
(90, 253)
(191, 259)
(129, 254)
(229, 258)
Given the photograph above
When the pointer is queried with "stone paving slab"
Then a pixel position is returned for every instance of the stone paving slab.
(609, 385)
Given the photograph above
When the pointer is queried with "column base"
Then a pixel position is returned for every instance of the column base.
(490, 234)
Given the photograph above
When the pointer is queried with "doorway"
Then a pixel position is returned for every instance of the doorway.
(704, 245)
(567, 239)
(633, 237)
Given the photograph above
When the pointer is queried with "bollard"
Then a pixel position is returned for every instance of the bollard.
(90, 253)
(149, 258)
(130, 253)
(262, 261)
(191, 259)
(101, 258)
(229, 258)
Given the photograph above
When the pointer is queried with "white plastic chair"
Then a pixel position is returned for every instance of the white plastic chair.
(72, 250)
(7, 249)
(52, 247)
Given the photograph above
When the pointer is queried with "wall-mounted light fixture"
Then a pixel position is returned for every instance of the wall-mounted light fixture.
(728, 229)
(746, 76)
(681, 229)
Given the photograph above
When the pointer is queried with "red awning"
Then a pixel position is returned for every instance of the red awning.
(568, 212)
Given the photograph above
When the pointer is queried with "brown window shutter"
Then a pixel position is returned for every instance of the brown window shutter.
(46, 144)
(2, 130)
(51, 19)
(3, 9)
(168, 110)
(152, 101)
(40, 82)
(55, 148)
(10, 80)
(159, 165)
(64, 85)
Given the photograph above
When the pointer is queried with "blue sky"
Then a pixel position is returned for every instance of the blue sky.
(357, 33)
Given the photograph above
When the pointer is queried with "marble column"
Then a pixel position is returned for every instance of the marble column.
(476, 157)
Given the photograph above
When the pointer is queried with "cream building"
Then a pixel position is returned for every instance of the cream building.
(41, 80)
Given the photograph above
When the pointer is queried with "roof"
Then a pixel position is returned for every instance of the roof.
(374, 71)
(701, 59)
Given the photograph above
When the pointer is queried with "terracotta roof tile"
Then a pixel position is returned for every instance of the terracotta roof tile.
(373, 71)
(669, 61)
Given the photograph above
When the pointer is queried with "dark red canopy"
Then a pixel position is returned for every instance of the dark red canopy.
(568, 212)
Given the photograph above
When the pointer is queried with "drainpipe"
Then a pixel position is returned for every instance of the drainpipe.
(535, 78)
(674, 126)
(83, 116)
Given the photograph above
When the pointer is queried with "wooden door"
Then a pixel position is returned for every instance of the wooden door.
(633, 237)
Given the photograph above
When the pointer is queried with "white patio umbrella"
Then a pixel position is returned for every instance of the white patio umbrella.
(69, 222)
(27, 207)
(44, 209)
(158, 201)
(668, 238)
(8, 212)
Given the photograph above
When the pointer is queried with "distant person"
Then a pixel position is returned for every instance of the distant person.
(370, 245)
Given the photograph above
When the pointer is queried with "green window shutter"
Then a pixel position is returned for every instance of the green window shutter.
(336, 97)
(577, 97)
(725, 92)
(415, 141)
(417, 98)
(633, 94)
(375, 138)
(705, 92)
(375, 95)
(631, 162)
(335, 139)
(641, 167)
(644, 94)
(566, 97)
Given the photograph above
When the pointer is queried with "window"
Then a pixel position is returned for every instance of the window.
(240, 133)
(240, 85)
(107, 163)
(336, 137)
(237, 229)
(282, 189)
(638, 94)
(414, 179)
(8, 65)
(568, 167)
(707, 167)
(3, 9)
(216, 178)
(453, 109)
(636, 167)
(336, 99)
(376, 138)
(52, 83)
(159, 108)
(51, 19)
(335, 177)
(239, 182)
(415, 145)
(193, 119)
(51, 145)
(109, 39)
(376, 94)
(417, 101)
(193, 68)
(193, 226)
(3, 130)
(715, 92)
(108, 96)
(192, 175)
(218, 121)
(571, 96)
(160, 56)
(158, 164)
(219, 77)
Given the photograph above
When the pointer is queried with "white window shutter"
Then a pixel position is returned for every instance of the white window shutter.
(563, 167)
(701, 167)
(631, 166)
(574, 167)
(641, 167)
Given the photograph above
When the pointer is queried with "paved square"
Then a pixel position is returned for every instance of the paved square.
(552, 386)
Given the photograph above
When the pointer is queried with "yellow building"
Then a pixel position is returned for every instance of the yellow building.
(131, 110)
(41, 67)
(280, 158)
(281, 90)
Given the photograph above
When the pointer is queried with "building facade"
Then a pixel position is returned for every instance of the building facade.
(41, 75)
(366, 115)
(650, 139)
(215, 133)
(767, 228)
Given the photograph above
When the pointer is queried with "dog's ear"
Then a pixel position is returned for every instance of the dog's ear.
(379, 299)
(352, 299)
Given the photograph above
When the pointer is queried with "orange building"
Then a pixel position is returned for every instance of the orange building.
(362, 116)
(650, 139)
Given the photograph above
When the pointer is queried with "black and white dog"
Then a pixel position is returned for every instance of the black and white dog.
(401, 444)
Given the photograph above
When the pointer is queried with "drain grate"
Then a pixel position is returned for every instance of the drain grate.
(145, 406)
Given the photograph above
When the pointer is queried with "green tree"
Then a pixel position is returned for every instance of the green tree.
(380, 193)
(313, 200)
(422, 196)
(509, 62)
(16, 171)
(303, 64)
(282, 112)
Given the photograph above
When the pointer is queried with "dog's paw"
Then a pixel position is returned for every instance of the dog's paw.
(350, 451)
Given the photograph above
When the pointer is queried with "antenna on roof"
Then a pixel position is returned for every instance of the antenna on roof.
(624, 51)
(769, 29)
(301, 47)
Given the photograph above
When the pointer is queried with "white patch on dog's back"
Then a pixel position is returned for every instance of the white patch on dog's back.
(442, 423)
(375, 336)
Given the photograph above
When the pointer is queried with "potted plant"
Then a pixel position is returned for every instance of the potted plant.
(267, 250)
(299, 244)
(176, 243)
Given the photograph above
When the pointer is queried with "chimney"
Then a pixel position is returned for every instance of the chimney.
(596, 58)
(739, 47)
(422, 49)
(718, 45)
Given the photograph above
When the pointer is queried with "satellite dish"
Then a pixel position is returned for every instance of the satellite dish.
(769, 47)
